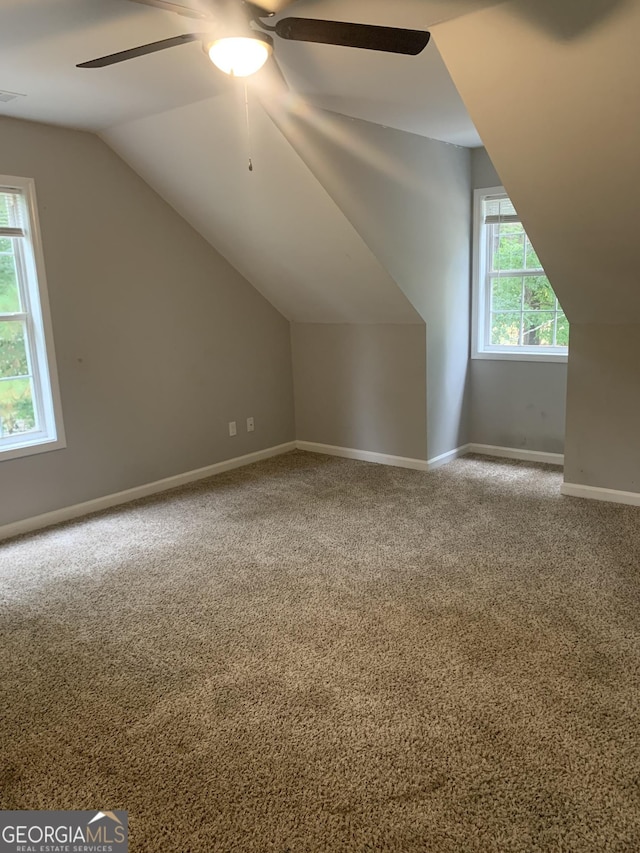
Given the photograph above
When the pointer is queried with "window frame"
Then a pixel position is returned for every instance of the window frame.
(36, 314)
(479, 303)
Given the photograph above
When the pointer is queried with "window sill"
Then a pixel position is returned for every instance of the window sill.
(42, 446)
(558, 358)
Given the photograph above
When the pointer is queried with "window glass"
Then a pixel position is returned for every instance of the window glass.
(30, 416)
(516, 310)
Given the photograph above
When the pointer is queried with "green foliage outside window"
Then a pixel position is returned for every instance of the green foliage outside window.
(17, 413)
(9, 295)
(524, 308)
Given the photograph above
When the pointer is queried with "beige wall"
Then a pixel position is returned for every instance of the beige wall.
(361, 386)
(483, 172)
(564, 135)
(409, 199)
(159, 341)
(563, 131)
(277, 224)
(603, 407)
(518, 404)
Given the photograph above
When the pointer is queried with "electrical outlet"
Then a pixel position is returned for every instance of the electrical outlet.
(232, 428)
(250, 425)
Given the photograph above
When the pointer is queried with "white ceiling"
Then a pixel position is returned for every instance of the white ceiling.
(276, 225)
(179, 122)
(41, 41)
(174, 118)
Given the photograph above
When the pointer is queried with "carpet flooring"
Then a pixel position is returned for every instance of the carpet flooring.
(316, 654)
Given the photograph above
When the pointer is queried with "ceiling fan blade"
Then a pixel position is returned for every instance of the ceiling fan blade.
(178, 8)
(389, 39)
(133, 52)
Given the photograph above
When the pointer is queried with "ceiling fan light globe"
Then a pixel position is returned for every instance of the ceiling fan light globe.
(239, 57)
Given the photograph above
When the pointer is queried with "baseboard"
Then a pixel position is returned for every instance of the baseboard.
(383, 458)
(363, 455)
(517, 453)
(444, 458)
(68, 513)
(595, 493)
(78, 510)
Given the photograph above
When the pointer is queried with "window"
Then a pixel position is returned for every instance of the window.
(516, 313)
(30, 417)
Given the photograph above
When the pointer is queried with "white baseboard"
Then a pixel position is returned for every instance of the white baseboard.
(444, 458)
(595, 493)
(517, 453)
(383, 458)
(363, 455)
(436, 461)
(68, 513)
(78, 510)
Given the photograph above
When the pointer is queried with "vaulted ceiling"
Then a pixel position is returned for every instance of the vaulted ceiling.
(551, 88)
(180, 123)
(276, 225)
(41, 42)
(562, 126)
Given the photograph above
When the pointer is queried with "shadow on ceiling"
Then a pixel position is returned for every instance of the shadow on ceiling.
(29, 21)
(564, 20)
(569, 19)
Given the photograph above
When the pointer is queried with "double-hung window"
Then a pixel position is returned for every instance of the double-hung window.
(30, 415)
(516, 313)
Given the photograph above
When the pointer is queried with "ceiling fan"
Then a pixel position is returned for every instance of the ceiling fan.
(245, 43)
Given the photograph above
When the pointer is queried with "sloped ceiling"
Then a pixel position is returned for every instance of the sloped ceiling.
(276, 224)
(553, 90)
(180, 124)
(551, 87)
(408, 197)
(41, 41)
(413, 94)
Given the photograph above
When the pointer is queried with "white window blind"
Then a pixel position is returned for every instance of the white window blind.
(497, 210)
(11, 213)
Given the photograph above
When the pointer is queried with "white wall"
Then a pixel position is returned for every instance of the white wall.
(159, 341)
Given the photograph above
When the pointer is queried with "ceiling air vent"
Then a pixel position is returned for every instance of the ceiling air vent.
(10, 96)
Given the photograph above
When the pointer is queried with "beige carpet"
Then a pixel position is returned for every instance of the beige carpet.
(314, 654)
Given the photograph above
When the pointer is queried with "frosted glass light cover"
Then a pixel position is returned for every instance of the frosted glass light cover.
(239, 57)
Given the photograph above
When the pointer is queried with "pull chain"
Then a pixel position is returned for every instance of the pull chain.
(246, 111)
